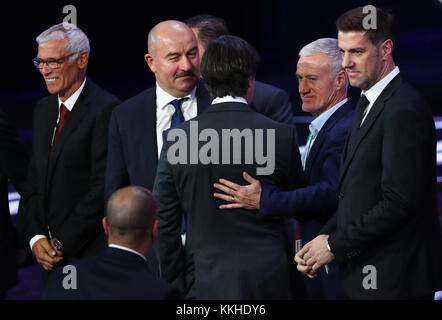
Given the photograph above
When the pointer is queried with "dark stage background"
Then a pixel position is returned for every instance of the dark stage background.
(117, 31)
(278, 29)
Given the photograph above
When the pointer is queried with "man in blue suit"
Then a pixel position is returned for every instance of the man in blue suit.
(136, 126)
(323, 90)
(120, 271)
(135, 133)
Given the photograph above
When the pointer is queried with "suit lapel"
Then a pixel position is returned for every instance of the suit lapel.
(76, 115)
(374, 113)
(48, 132)
(150, 115)
(313, 151)
(328, 125)
(150, 119)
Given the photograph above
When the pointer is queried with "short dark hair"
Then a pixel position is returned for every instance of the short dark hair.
(352, 20)
(209, 27)
(227, 66)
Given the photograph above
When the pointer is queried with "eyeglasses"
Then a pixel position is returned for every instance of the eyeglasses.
(51, 63)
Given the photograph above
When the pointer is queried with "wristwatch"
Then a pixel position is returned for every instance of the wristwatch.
(58, 245)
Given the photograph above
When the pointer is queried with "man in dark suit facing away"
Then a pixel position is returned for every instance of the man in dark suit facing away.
(323, 90)
(233, 255)
(61, 218)
(268, 100)
(13, 163)
(120, 271)
(386, 234)
(136, 126)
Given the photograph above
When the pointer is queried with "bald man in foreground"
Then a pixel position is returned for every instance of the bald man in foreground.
(120, 271)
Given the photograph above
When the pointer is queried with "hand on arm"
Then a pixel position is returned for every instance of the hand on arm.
(247, 197)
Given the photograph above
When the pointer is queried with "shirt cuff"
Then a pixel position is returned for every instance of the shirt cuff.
(35, 239)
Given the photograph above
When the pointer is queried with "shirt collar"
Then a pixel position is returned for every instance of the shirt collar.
(375, 91)
(112, 245)
(318, 122)
(70, 102)
(164, 98)
(229, 99)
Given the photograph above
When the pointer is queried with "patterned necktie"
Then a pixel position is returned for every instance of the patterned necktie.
(178, 116)
(308, 145)
(64, 112)
(360, 112)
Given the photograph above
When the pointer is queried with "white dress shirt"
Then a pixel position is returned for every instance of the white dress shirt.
(229, 99)
(69, 104)
(165, 111)
(316, 126)
(112, 245)
(375, 91)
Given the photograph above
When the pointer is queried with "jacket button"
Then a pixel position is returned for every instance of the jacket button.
(341, 195)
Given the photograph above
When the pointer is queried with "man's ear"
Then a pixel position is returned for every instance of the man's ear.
(341, 79)
(386, 48)
(150, 62)
(105, 226)
(155, 229)
(82, 59)
(250, 90)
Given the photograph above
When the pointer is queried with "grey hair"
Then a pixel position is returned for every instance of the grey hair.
(327, 46)
(76, 39)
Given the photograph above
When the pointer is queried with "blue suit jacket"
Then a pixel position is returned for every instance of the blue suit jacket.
(113, 274)
(315, 204)
(132, 152)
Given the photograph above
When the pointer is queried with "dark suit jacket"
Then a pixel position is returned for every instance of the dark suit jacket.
(133, 155)
(13, 164)
(66, 189)
(315, 204)
(387, 203)
(113, 274)
(272, 102)
(133, 152)
(229, 254)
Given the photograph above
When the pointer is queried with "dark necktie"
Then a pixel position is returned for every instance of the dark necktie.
(360, 112)
(64, 112)
(178, 116)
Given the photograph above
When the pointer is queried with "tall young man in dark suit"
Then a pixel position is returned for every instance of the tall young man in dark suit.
(269, 100)
(386, 234)
(120, 271)
(61, 217)
(135, 133)
(233, 255)
(323, 90)
(13, 164)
